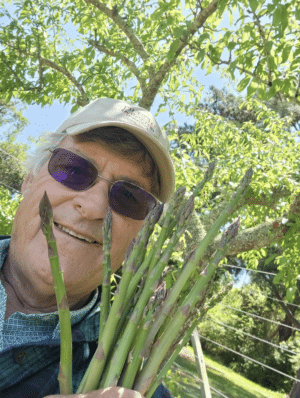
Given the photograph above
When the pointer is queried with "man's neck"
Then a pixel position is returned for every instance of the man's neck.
(17, 302)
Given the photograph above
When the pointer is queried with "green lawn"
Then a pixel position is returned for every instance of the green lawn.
(182, 382)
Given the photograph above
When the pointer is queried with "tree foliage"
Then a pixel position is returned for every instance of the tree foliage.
(78, 50)
(12, 154)
(8, 208)
(226, 325)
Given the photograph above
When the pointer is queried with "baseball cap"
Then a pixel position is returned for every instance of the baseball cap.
(138, 121)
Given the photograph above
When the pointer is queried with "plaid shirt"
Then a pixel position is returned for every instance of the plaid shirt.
(30, 347)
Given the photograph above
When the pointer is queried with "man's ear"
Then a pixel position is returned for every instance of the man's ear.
(26, 184)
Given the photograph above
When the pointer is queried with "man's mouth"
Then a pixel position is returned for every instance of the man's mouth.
(74, 235)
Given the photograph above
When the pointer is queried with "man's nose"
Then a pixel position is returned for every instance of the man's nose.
(94, 202)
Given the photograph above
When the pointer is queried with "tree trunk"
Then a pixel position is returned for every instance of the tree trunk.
(295, 392)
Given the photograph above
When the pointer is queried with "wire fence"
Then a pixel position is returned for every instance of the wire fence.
(255, 316)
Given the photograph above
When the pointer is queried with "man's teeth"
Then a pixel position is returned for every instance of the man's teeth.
(73, 233)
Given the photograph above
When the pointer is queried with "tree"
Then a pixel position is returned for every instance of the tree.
(11, 118)
(12, 155)
(12, 168)
(158, 46)
(8, 208)
(77, 50)
(232, 107)
(249, 336)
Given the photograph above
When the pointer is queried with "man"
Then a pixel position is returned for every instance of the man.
(84, 174)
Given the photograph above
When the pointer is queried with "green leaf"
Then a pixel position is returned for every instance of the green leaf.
(290, 294)
(253, 5)
(285, 53)
(221, 6)
(269, 45)
(269, 259)
(172, 50)
(252, 88)
(243, 83)
(277, 16)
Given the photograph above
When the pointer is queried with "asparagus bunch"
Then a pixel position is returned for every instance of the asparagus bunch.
(145, 321)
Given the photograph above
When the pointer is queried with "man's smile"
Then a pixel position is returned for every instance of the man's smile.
(74, 235)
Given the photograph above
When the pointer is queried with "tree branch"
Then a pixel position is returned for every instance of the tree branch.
(83, 99)
(267, 53)
(155, 82)
(255, 238)
(130, 64)
(113, 14)
(283, 305)
(248, 199)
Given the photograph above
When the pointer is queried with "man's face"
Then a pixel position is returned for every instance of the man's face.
(83, 212)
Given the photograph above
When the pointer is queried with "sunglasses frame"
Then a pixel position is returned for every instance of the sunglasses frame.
(90, 161)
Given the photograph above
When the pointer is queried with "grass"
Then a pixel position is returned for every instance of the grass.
(183, 380)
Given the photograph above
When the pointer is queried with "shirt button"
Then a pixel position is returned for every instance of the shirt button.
(19, 356)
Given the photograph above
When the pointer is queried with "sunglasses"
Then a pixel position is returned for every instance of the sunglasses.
(77, 173)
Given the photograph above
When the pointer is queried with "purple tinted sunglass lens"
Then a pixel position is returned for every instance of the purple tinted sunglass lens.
(130, 200)
(77, 173)
(72, 170)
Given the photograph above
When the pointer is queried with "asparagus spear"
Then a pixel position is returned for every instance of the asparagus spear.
(65, 369)
(105, 292)
(171, 360)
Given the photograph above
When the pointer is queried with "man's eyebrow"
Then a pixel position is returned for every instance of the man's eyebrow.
(117, 178)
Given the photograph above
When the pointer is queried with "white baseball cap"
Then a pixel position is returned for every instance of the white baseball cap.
(112, 112)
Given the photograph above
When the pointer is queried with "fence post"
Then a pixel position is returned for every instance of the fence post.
(205, 389)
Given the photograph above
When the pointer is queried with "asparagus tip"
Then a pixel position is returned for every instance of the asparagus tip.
(46, 213)
(229, 235)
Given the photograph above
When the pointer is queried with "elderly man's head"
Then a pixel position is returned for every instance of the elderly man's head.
(78, 173)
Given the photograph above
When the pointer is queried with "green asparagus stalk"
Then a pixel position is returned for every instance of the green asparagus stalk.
(171, 360)
(185, 216)
(143, 236)
(137, 355)
(177, 198)
(65, 370)
(160, 348)
(105, 292)
(97, 363)
(208, 175)
(135, 359)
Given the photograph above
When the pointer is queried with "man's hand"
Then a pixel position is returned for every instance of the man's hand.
(110, 392)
